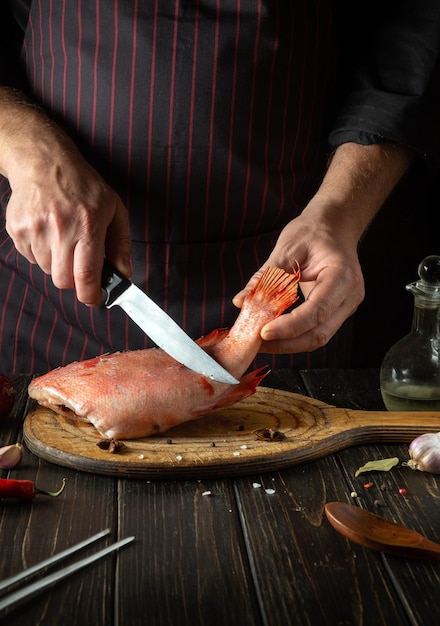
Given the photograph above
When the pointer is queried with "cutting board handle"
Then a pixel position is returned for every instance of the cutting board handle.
(355, 426)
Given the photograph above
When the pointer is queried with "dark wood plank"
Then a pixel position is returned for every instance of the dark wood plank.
(238, 556)
(190, 566)
(306, 572)
(415, 582)
(33, 531)
(285, 379)
(348, 388)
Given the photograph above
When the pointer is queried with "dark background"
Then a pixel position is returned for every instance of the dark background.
(405, 231)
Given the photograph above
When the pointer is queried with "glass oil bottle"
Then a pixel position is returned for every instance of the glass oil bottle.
(410, 371)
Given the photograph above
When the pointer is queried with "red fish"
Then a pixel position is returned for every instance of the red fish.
(133, 394)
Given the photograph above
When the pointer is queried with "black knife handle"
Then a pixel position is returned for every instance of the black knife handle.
(113, 282)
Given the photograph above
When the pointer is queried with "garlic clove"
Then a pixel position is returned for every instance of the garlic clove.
(424, 452)
(10, 456)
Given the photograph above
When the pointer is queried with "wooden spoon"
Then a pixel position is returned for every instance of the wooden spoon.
(375, 532)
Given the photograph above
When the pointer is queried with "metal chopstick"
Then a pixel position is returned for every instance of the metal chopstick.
(53, 559)
(30, 590)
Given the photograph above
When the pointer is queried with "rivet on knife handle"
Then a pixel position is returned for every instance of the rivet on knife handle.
(113, 283)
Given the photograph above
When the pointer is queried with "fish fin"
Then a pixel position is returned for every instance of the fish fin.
(212, 338)
(247, 387)
(278, 287)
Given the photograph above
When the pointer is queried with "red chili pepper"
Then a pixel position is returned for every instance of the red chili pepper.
(24, 489)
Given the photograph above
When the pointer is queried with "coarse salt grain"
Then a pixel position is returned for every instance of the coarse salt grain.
(141, 456)
(243, 447)
(270, 491)
(236, 453)
(179, 457)
(207, 493)
(256, 485)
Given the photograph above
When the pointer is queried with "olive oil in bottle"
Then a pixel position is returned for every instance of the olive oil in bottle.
(410, 371)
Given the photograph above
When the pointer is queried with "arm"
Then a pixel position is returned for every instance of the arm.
(390, 114)
(324, 240)
(61, 214)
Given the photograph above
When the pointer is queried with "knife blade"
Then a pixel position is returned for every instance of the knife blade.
(159, 326)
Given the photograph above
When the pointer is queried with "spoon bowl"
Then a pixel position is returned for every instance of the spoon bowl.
(372, 531)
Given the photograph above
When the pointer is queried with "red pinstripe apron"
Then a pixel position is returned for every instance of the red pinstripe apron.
(209, 119)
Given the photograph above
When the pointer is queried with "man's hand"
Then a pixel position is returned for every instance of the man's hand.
(331, 282)
(61, 214)
(323, 240)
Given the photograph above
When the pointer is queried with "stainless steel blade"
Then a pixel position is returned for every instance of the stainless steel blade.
(8, 582)
(168, 335)
(32, 589)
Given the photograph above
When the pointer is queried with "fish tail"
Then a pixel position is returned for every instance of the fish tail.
(247, 387)
(277, 287)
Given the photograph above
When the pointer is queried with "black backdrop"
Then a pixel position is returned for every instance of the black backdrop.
(405, 231)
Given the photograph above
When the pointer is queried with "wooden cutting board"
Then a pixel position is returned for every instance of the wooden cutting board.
(295, 428)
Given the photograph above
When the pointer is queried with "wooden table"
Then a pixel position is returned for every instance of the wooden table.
(241, 556)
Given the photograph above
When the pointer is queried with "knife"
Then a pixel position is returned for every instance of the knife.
(159, 326)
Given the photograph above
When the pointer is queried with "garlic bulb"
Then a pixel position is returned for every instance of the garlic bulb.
(425, 453)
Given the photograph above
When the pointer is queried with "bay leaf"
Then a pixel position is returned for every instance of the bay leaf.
(382, 465)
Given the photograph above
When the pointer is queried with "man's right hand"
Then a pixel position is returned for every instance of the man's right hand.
(61, 215)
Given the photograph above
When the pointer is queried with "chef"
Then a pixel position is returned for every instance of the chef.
(193, 143)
